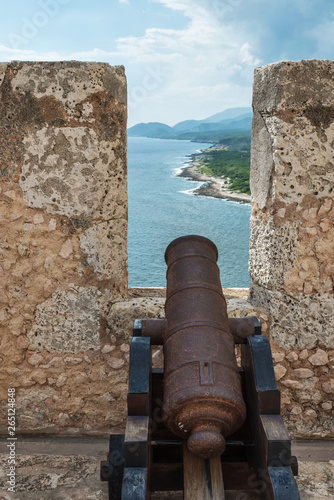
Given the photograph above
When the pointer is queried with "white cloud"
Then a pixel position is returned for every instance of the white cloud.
(216, 8)
(203, 63)
(247, 57)
(8, 53)
(175, 74)
(174, 4)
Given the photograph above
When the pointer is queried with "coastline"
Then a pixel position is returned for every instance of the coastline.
(212, 186)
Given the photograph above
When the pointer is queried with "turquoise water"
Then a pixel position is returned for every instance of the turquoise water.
(162, 208)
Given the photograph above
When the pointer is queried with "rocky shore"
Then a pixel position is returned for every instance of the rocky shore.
(212, 186)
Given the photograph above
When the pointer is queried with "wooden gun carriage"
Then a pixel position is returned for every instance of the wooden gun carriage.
(201, 425)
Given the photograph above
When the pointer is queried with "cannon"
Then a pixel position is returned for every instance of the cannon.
(202, 402)
(202, 425)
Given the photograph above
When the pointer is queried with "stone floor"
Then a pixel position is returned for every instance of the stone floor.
(68, 469)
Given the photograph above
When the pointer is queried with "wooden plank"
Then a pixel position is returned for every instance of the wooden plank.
(264, 376)
(263, 364)
(294, 465)
(135, 484)
(171, 451)
(139, 377)
(274, 441)
(116, 466)
(140, 360)
(158, 427)
(157, 394)
(260, 393)
(257, 325)
(274, 428)
(167, 477)
(263, 397)
(281, 485)
(137, 328)
(136, 442)
(203, 479)
(236, 476)
(138, 404)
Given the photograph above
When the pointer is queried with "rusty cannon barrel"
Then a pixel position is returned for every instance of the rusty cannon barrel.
(203, 401)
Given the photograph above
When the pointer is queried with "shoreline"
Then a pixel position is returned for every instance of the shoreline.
(212, 186)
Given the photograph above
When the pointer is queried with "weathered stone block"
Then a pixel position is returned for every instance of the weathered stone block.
(69, 321)
(292, 178)
(54, 477)
(269, 259)
(303, 321)
(292, 230)
(122, 314)
(320, 358)
(63, 233)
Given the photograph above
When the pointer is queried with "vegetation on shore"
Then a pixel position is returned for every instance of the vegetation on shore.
(233, 139)
(228, 159)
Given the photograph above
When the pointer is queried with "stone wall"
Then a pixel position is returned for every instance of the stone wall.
(65, 312)
(292, 235)
(63, 253)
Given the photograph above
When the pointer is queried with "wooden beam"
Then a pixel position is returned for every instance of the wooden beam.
(237, 476)
(203, 479)
(139, 377)
(136, 442)
(283, 484)
(135, 484)
(274, 441)
(262, 394)
(116, 466)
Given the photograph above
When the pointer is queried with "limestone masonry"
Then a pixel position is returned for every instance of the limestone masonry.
(292, 234)
(63, 254)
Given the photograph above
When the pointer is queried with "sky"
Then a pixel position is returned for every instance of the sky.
(184, 59)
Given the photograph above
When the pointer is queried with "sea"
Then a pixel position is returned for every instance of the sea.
(163, 206)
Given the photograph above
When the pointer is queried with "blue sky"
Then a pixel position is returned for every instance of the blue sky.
(184, 59)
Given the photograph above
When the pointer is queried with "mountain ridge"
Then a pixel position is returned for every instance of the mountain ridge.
(231, 119)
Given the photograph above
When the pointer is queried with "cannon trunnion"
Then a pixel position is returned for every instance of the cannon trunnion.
(201, 397)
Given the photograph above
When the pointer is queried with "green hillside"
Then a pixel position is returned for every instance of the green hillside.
(230, 159)
(240, 140)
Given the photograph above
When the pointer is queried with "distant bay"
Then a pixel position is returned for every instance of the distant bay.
(162, 208)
